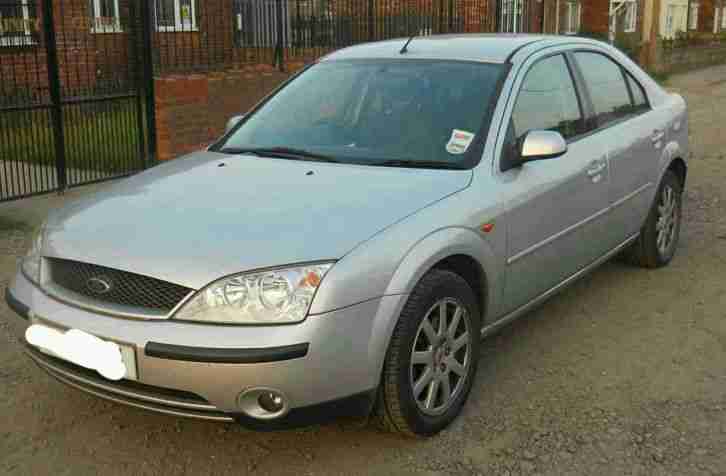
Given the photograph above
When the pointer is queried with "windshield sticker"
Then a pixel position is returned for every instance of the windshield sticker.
(459, 142)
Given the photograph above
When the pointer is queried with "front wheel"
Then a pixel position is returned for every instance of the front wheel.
(658, 238)
(432, 358)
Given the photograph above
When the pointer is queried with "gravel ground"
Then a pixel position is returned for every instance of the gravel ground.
(624, 373)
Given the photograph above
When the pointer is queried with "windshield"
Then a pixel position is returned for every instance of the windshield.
(375, 112)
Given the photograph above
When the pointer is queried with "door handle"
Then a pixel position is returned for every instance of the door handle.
(596, 168)
(657, 136)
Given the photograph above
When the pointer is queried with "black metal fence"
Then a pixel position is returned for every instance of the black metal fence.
(76, 76)
(219, 34)
(71, 95)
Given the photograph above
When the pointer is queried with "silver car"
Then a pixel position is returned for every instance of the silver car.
(344, 246)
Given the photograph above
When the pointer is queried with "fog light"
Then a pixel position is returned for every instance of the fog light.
(263, 403)
(271, 402)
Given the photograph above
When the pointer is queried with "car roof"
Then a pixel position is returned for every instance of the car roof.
(489, 48)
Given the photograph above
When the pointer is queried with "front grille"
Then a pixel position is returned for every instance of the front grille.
(113, 286)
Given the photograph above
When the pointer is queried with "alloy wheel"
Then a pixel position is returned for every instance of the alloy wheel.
(667, 222)
(441, 356)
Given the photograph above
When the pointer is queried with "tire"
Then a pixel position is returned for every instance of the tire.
(397, 409)
(648, 251)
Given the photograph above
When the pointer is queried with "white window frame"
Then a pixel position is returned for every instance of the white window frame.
(179, 26)
(631, 17)
(693, 16)
(569, 29)
(716, 18)
(100, 27)
(26, 39)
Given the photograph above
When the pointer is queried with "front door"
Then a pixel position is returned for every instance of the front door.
(552, 201)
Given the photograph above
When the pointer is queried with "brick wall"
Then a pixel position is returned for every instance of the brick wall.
(192, 110)
(595, 16)
(686, 58)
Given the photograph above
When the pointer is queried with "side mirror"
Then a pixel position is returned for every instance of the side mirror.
(233, 121)
(542, 145)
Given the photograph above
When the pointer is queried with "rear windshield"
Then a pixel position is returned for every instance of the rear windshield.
(371, 111)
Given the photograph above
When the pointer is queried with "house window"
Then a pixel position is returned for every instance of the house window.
(723, 18)
(511, 19)
(16, 23)
(105, 16)
(716, 12)
(572, 22)
(631, 17)
(176, 15)
(693, 20)
(670, 19)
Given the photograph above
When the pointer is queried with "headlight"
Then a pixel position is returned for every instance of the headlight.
(30, 264)
(270, 297)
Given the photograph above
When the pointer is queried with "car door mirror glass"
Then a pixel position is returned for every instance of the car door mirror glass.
(232, 122)
(542, 145)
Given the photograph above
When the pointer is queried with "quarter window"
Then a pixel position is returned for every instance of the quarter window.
(639, 99)
(606, 83)
(548, 101)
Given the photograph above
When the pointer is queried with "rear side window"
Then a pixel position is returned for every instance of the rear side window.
(548, 101)
(606, 82)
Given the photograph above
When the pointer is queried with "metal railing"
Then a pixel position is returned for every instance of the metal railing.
(217, 34)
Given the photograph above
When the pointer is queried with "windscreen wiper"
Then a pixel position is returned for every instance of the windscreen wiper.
(280, 152)
(420, 164)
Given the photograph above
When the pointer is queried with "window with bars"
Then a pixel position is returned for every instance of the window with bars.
(631, 17)
(572, 20)
(175, 15)
(17, 23)
(105, 16)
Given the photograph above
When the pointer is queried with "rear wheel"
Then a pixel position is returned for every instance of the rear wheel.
(432, 359)
(658, 239)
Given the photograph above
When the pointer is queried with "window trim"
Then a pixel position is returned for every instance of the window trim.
(178, 26)
(623, 70)
(20, 41)
(97, 29)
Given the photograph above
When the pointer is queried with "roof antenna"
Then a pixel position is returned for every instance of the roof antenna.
(404, 50)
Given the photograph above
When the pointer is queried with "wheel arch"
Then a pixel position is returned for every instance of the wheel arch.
(679, 167)
(457, 249)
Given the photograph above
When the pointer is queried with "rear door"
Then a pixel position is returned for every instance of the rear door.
(634, 138)
(551, 202)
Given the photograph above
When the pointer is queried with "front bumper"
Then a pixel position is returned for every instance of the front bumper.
(325, 366)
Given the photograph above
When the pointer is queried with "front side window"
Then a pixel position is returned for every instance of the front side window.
(693, 20)
(17, 23)
(105, 16)
(547, 101)
(608, 90)
(372, 111)
(175, 15)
